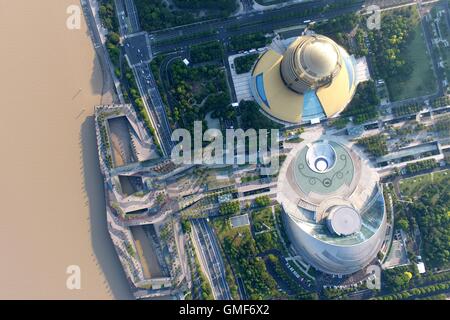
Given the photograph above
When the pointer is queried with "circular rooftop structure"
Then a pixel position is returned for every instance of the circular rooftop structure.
(334, 209)
(344, 221)
(321, 157)
(323, 167)
(310, 63)
(319, 58)
(313, 78)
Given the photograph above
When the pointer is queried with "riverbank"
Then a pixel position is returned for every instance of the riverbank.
(53, 212)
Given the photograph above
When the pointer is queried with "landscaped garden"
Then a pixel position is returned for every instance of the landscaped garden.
(427, 208)
(240, 248)
(198, 91)
(399, 55)
(374, 145)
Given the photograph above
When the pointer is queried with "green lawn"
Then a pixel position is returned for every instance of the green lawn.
(422, 80)
(412, 186)
(443, 51)
(267, 237)
(241, 250)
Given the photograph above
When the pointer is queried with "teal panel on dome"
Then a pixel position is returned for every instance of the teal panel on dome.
(260, 89)
(312, 108)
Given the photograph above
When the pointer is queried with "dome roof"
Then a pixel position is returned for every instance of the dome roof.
(344, 221)
(319, 58)
(311, 62)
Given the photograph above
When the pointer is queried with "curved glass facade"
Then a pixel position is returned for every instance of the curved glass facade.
(261, 90)
(312, 108)
(311, 200)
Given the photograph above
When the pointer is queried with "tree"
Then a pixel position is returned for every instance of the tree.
(231, 207)
(402, 279)
(244, 64)
(226, 6)
(251, 117)
(408, 275)
(375, 145)
(114, 38)
(186, 225)
(364, 105)
(108, 16)
(403, 224)
(206, 52)
(262, 201)
(248, 41)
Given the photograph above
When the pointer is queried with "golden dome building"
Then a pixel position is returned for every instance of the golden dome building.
(313, 79)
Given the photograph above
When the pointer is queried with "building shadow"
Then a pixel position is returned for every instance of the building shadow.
(103, 247)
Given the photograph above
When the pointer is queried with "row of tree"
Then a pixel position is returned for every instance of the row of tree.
(225, 6)
(231, 207)
(375, 145)
(205, 52)
(415, 167)
(417, 292)
(389, 45)
(295, 288)
(158, 14)
(248, 41)
(407, 109)
(108, 17)
(244, 64)
(364, 106)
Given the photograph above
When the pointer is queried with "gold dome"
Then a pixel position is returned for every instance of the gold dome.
(319, 58)
(310, 62)
(313, 79)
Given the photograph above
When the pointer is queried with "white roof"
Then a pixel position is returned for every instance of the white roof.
(240, 221)
(421, 267)
(186, 61)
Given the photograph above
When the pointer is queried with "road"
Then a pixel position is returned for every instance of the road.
(221, 30)
(180, 243)
(132, 15)
(211, 258)
(152, 98)
(94, 28)
(139, 53)
(128, 17)
(121, 16)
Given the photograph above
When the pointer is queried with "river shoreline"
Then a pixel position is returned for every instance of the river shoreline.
(53, 211)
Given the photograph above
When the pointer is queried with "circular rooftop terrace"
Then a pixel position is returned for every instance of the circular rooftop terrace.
(344, 221)
(323, 167)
